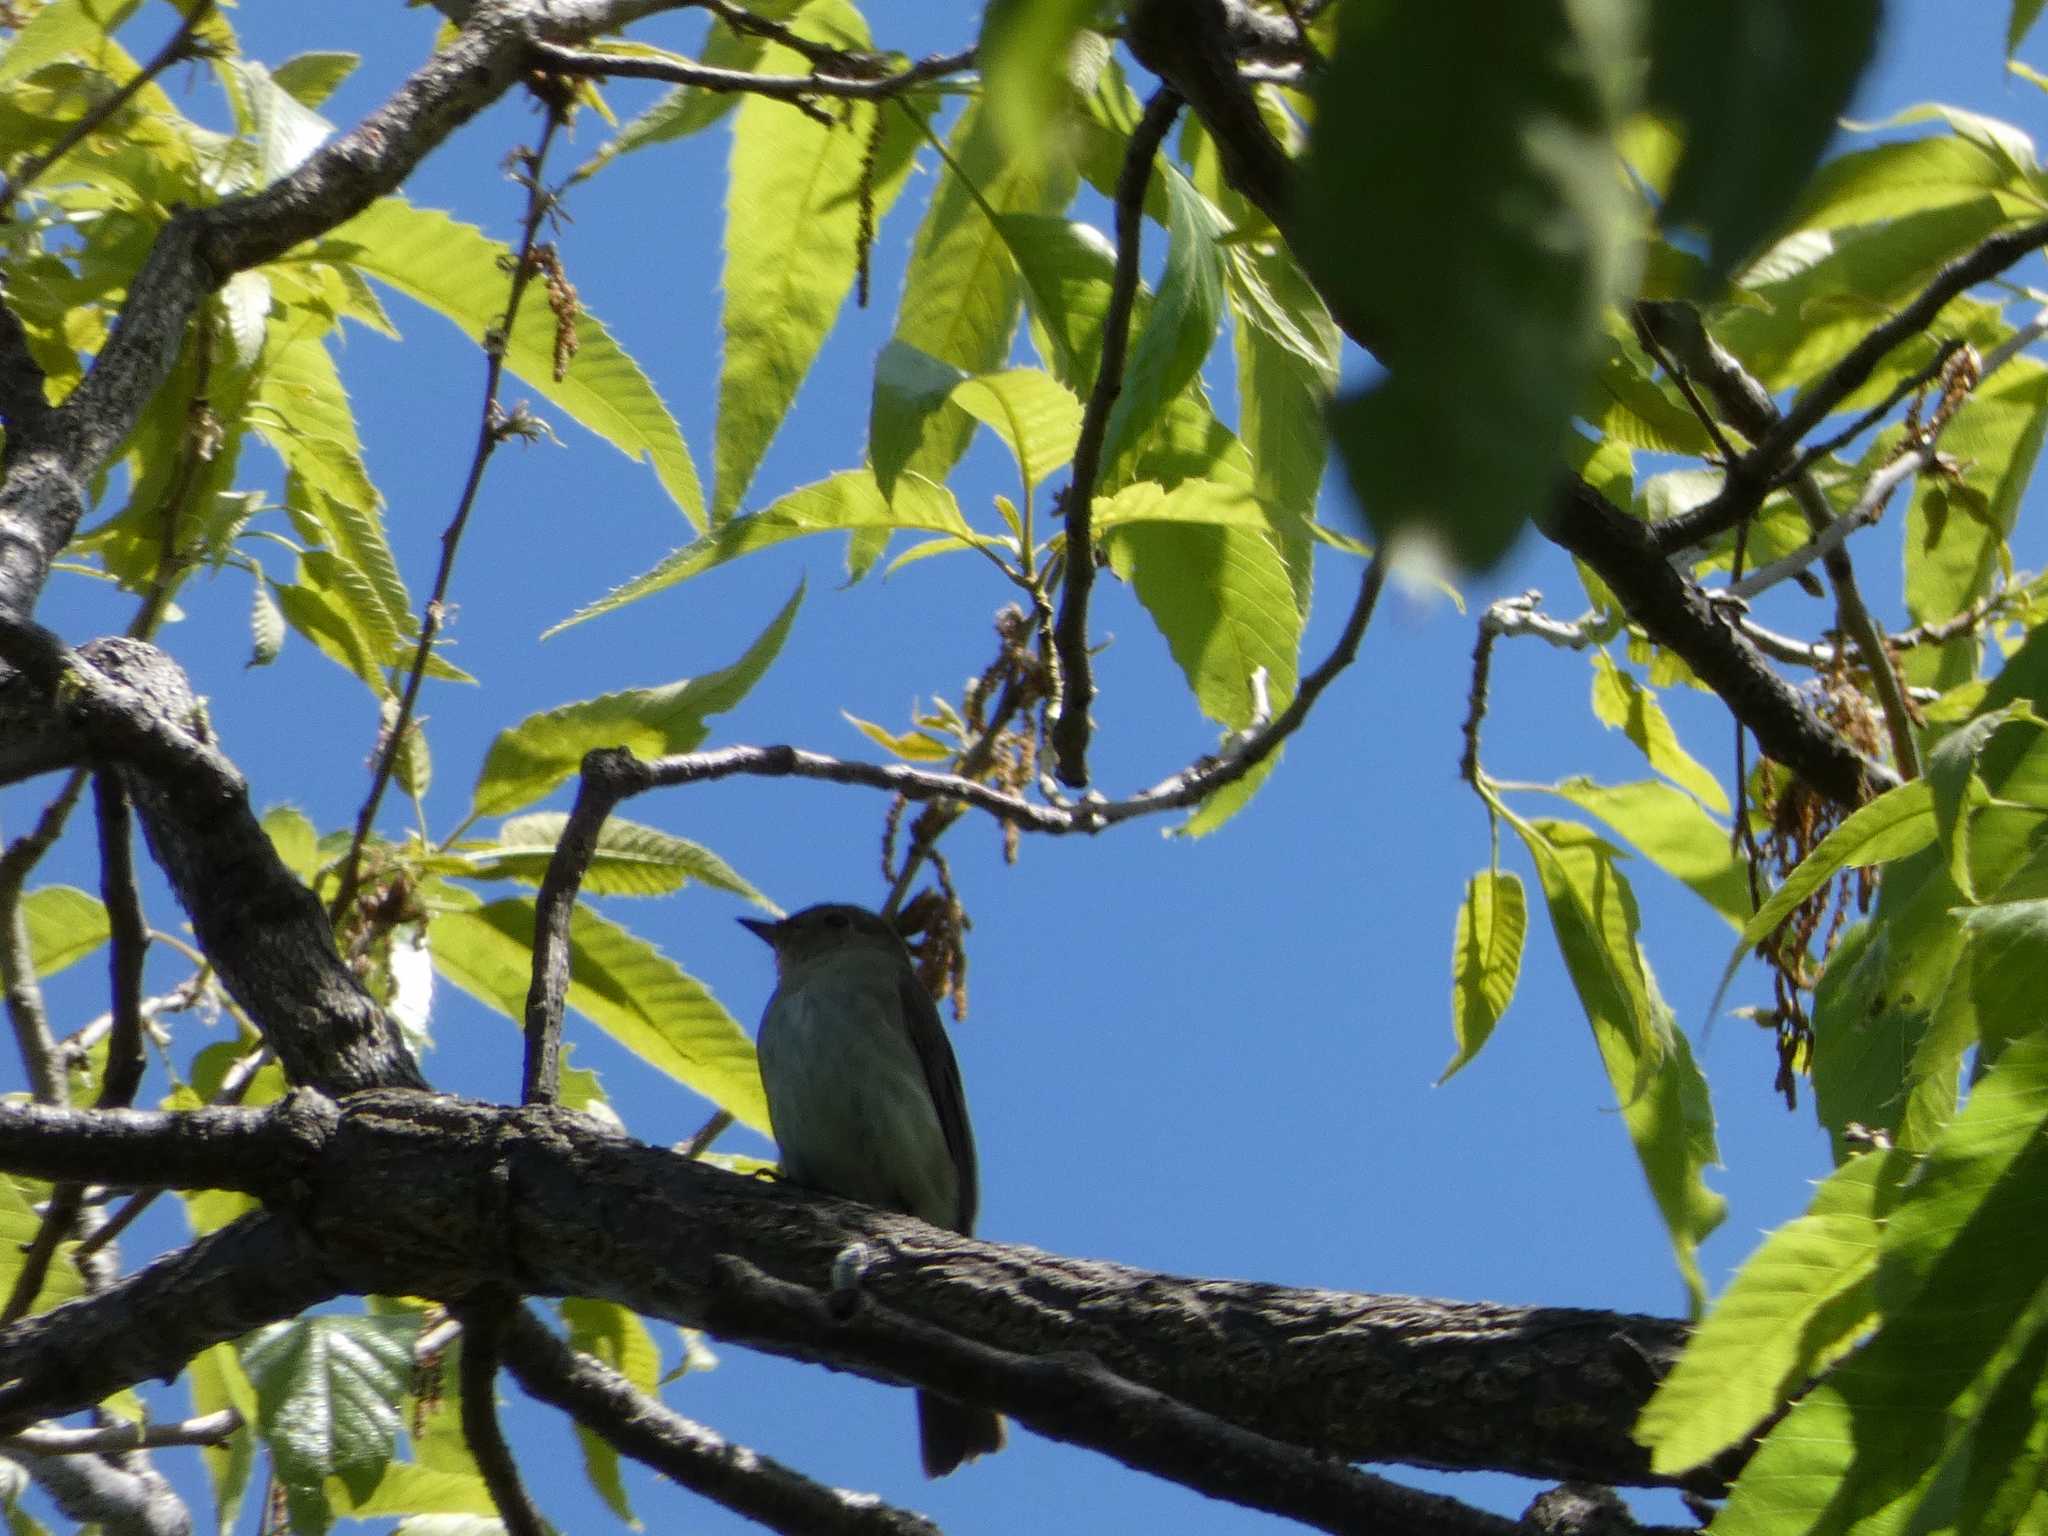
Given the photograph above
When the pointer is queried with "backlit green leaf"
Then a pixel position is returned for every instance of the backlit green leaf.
(848, 502)
(631, 859)
(532, 757)
(454, 268)
(1793, 1308)
(1486, 959)
(1031, 412)
(621, 983)
(960, 295)
(1620, 701)
(64, 926)
(793, 231)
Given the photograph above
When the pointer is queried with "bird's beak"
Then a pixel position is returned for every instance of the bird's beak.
(760, 928)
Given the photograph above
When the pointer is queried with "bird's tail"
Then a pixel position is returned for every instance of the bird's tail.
(950, 1433)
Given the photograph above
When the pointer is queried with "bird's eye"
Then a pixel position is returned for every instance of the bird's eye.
(838, 920)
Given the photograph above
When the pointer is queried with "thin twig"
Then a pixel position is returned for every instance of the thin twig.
(973, 763)
(1476, 696)
(490, 432)
(720, 1122)
(1869, 507)
(1749, 406)
(623, 775)
(179, 46)
(1752, 476)
(790, 88)
(611, 775)
(554, 909)
(1646, 333)
(1877, 413)
(120, 1435)
(39, 1055)
(60, 1217)
(1070, 631)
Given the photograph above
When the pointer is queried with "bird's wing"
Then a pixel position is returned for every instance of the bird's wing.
(942, 1079)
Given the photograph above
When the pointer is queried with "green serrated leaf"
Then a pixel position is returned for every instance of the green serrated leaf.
(295, 839)
(1898, 822)
(310, 78)
(621, 983)
(1220, 594)
(301, 410)
(1178, 331)
(960, 295)
(631, 859)
(1486, 960)
(609, 1332)
(328, 1390)
(911, 746)
(848, 502)
(793, 231)
(1619, 701)
(437, 1494)
(19, 1224)
(1067, 268)
(80, 29)
(218, 1382)
(266, 625)
(1951, 562)
(1924, 1419)
(455, 269)
(1671, 830)
(1662, 1094)
(1024, 53)
(1037, 418)
(1794, 1307)
(1955, 788)
(532, 757)
(64, 926)
(2024, 14)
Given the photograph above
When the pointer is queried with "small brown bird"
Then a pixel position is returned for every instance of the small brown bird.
(865, 1100)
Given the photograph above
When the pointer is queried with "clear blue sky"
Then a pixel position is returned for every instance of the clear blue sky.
(1212, 1058)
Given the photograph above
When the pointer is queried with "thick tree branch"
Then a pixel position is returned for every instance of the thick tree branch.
(1071, 1396)
(128, 943)
(126, 704)
(149, 1324)
(121, 1435)
(430, 1196)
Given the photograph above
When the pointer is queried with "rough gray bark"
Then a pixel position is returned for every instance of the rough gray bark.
(406, 1193)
